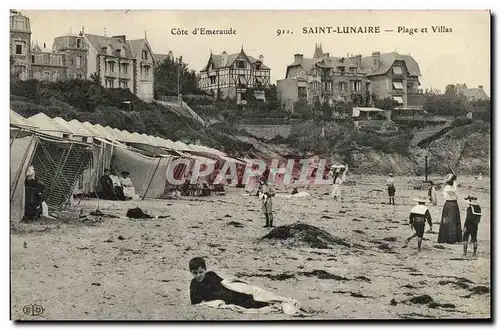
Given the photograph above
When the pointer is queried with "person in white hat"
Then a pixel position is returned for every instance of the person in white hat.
(471, 224)
(418, 215)
(450, 229)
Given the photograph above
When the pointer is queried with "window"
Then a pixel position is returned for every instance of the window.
(78, 43)
(125, 68)
(241, 64)
(19, 23)
(258, 65)
(397, 70)
(356, 86)
(342, 71)
(84, 139)
(32, 58)
(66, 136)
(409, 88)
(343, 86)
(111, 67)
(78, 61)
(146, 73)
(71, 62)
(19, 49)
(119, 52)
(398, 99)
(124, 84)
(241, 79)
(144, 54)
(212, 80)
(397, 85)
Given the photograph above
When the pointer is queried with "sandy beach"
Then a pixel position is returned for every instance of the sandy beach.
(137, 269)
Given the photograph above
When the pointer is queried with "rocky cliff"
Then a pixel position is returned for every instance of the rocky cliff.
(466, 147)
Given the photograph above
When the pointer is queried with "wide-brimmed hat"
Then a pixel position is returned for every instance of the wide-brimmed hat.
(450, 177)
(421, 199)
(471, 200)
(391, 174)
(125, 173)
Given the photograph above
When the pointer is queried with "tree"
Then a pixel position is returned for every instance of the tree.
(326, 110)
(95, 78)
(387, 103)
(174, 73)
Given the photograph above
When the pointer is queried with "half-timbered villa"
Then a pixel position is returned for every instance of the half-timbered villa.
(231, 75)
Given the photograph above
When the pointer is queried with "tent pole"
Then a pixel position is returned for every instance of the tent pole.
(152, 177)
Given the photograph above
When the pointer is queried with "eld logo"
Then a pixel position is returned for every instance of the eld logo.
(33, 310)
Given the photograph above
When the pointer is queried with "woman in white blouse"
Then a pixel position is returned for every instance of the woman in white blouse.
(450, 230)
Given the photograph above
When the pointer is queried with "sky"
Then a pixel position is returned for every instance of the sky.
(460, 56)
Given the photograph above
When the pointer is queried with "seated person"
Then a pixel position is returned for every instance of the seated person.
(206, 286)
(117, 186)
(205, 190)
(128, 187)
(105, 187)
(33, 196)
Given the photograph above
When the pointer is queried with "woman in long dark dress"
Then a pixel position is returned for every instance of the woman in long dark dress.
(450, 230)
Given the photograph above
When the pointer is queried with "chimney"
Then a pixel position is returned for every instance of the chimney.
(224, 59)
(480, 87)
(357, 60)
(44, 45)
(261, 58)
(376, 59)
(298, 58)
(121, 37)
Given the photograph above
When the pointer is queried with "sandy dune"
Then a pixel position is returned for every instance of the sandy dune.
(121, 268)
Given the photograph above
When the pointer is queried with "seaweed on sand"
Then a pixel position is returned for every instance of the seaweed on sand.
(301, 233)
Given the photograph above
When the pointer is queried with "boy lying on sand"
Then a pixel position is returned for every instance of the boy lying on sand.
(206, 286)
(208, 289)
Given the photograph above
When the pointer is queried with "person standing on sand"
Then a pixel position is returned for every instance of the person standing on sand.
(418, 215)
(432, 193)
(266, 194)
(391, 188)
(471, 223)
(338, 179)
(450, 230)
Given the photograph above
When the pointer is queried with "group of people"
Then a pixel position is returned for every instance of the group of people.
(450, 229)
(111, 186)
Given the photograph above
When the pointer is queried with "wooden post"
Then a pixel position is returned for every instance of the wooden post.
(426, 168)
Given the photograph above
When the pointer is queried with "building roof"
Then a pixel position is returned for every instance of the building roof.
(217, 60)
(386, 62)
(475, 94)
(98, 42)
(160, 58)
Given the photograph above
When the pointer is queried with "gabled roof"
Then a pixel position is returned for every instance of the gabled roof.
(217, 60)
(98, 42)
(386, 61)
(475, 94)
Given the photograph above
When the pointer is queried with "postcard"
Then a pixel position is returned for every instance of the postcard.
(250, 165)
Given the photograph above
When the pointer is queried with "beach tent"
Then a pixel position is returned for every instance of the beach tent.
(58, 164)
(46, 125)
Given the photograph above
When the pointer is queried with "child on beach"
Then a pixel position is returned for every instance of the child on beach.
(207, 286)
(471, 224)
(418, 215)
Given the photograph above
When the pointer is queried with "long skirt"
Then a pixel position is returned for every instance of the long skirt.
(450, 230)
(336, 192)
